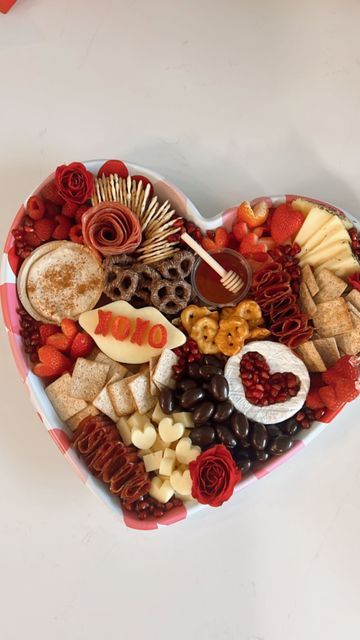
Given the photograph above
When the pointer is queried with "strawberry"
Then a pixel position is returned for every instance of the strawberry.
(240, 230)
(76, 234)
(35, 208)
(52, 362)
(328, 397)
(221, 238)
(80, 212)
(44, 228)
(113, 166)
(49, 192)
(61, 231)
(345, 367)
(313, 400)
(285, 223)
(259, 231)
(47, 330)
(82, 345)
(69, 209)
(60, 342)
(345, 390)
(251, 244)
(69, 328)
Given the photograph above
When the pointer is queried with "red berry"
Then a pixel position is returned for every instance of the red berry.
(44, 228)
(31, 239)
(82, 345)
(60, 342)
(69, 327)
(76, 234)
(35, 208)
(52, 362)
(61, 231)
(69, 209)
(80, 212)
(285, 223)
(47, 330)
(50, 193)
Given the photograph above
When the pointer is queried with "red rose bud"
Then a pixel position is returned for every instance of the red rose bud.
(214, 475)
(74, 182)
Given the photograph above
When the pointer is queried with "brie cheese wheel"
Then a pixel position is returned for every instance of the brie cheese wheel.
(279, 358)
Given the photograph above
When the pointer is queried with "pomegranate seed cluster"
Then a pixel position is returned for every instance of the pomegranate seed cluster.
(192, 230)
(355, 241)
(286, 256)
(29, 332)
(148, 507)
(187, 353)
(263, 388)
(306, 416)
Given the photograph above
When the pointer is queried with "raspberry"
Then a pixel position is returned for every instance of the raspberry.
(35, 208)
(80, 212)
(50, 193)
(52, 210)
(31, 239)
(75, 234)
(61, 231)
(44, 229)
(69, 209)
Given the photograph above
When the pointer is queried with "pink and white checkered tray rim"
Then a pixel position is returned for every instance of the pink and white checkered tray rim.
(58, 430)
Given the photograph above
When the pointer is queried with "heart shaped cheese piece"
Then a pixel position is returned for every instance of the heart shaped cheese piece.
(170, 431)
(161, 490)
(186, 452)
(181, 482)
(143, 438)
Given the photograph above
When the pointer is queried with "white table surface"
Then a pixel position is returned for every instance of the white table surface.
(230, 100)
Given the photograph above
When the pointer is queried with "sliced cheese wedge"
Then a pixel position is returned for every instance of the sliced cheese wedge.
(315, 219)
(347, 266)
(325, 235)
(302, 205)
(334, 263)
(321, 255)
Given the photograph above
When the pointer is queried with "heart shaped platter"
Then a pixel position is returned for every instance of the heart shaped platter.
(165, 389)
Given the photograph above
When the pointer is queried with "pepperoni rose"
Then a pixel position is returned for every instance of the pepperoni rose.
(111, 228)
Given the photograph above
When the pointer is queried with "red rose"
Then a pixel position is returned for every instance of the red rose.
(214, 475)
(74, 182)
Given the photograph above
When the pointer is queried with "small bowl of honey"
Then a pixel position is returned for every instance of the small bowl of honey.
(206, 282)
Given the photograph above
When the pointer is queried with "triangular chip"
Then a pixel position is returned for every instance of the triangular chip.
(308, 278)
(354, 298)
(328, 350)
(331, 286)
(311, 357)
(332, 318)
(349, 342)
(307, 303)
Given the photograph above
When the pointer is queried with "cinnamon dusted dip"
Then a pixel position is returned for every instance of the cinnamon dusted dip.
(60, 280)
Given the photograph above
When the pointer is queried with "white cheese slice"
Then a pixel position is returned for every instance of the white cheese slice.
(320, 255)
(312, 223)
(279, 358)
(330, 232)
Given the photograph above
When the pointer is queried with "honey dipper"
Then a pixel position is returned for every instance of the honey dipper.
(229, 279)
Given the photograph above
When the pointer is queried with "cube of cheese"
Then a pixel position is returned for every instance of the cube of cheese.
(185, 417)
(152, 461)
(137, 420)
(124, 430)
(158, 414)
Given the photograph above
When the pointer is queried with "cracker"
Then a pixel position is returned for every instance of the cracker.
(311, 357)
(60, 397)
(163, 374)
(349, 343)
(309, 279)
(307, 303)
(331, 286)
(114, 367)
(88, 379)
(140, 389)
(354, 298)
(328, 350)
(152, 366)
(121, 397)
(332, 318)
(103, 400)
(74, 422)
